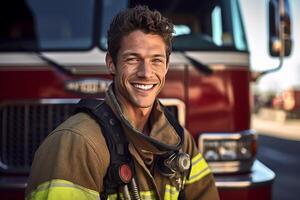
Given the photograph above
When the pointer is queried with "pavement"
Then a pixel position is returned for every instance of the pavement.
(285, 129)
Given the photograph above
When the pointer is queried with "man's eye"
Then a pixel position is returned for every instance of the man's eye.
(132, 60)
(157, 61)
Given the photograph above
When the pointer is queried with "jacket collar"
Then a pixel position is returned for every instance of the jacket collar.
(163, 137)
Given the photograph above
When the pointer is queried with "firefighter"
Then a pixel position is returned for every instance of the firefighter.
(73, 161)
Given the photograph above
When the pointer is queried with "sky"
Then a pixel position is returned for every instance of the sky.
(255, 15)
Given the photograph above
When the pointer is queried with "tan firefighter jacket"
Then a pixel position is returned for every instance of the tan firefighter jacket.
(72, 161)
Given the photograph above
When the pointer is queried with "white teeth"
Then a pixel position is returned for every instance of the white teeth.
(143, 87)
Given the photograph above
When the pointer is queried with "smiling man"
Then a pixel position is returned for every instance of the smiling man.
(77, 160)
(139, 73)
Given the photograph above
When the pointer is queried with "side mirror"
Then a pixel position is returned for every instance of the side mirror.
(280, 42)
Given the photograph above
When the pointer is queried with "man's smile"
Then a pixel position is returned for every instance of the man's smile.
(144, 87)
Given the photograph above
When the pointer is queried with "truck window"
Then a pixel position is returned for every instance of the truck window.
(203, 25)
(28, 25)
(46, 25)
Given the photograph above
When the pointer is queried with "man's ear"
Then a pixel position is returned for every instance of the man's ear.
(110, 64)
(168, 64)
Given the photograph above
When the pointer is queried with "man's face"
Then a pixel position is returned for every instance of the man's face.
(140, 70)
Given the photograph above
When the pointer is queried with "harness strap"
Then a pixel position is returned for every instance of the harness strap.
(115, 139)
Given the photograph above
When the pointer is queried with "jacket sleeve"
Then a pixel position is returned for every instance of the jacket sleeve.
(199, 184)
(66, 166)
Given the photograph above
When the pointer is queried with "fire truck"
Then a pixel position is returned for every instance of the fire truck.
(52, 53)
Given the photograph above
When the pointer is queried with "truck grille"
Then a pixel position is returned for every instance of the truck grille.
(24, 126)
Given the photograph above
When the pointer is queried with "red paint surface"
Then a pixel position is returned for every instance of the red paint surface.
(219, 103)
(36, 84)
(215, 103)
(255, 193)
(12, 195)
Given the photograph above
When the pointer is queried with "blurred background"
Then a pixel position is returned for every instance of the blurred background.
(276, 114)
(255, 13)
(279, 89)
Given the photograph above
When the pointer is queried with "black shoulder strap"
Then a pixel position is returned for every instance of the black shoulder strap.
(115, 139)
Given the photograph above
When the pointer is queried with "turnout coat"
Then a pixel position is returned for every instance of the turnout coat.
(72, 161)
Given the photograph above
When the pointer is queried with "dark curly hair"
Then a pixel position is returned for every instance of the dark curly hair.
(138, 18)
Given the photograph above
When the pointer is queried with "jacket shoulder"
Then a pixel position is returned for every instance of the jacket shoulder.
(75, 151)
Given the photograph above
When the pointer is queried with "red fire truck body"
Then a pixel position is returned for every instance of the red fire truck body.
(207, 85)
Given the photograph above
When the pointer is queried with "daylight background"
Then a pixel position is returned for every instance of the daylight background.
(255, 17)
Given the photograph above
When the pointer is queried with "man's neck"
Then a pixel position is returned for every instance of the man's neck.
(139, 117)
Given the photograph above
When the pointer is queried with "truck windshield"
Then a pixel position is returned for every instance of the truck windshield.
(46, 24)
(203, 24)
(78, 24)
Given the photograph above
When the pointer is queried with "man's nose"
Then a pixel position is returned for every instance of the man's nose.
(145, 70)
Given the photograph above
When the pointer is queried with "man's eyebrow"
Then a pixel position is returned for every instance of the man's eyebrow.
(159, 55)
(126, 54)
(130, 54)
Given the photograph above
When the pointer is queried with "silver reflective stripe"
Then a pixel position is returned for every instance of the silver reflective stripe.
(196, 175)
(198, 159)
(199, 169)
(171, 193)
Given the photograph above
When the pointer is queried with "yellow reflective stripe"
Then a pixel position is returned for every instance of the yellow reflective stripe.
(113, 197)
(145, 195)
(62, 189)
(199, 169)
(171, 193)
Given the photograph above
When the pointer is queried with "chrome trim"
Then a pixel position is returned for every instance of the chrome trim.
(259, 175)
(213, 57)
(97, 57)
(88, 85)
(93, 61)
(220, 67)
(14, 182)
(228, 166)
(228, 136)
(165, 101)
(92, 57)
(41, 101)
(59, 101)
(91, 70)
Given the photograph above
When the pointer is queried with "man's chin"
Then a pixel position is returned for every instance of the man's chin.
(144, 104)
